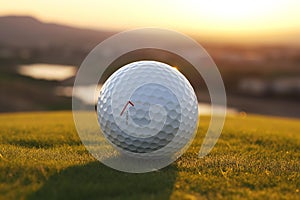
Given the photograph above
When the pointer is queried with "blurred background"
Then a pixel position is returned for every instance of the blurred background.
(255, 44)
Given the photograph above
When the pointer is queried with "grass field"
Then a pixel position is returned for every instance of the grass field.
(41, 157)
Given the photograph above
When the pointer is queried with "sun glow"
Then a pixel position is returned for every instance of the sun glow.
(210, 17)
(236, 15)
(176, 68)
(235, 9)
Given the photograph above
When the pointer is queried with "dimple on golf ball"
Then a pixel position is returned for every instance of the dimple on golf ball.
(147, 108)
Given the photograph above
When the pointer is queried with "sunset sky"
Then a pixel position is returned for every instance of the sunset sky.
(220, 18)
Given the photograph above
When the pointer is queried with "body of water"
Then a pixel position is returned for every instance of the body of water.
(61, 72)
(47, 71)
(83, 93)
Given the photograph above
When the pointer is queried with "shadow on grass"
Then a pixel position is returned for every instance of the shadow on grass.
(97, 181)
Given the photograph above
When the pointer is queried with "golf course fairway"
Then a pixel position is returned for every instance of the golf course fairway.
(256, 157)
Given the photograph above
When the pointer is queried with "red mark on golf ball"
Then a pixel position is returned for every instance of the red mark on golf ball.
(129, 102)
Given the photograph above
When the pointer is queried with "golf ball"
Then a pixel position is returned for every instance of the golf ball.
(147, 108)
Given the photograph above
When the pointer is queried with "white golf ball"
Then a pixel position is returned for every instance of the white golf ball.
(148, 108)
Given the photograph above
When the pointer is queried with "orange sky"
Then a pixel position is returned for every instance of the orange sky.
(230, 18)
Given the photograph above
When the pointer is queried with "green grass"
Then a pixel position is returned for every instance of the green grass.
(41, 157)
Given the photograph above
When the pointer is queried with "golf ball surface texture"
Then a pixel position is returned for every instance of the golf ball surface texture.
(148, 108)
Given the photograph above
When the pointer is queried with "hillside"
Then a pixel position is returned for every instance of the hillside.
(25, 31)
